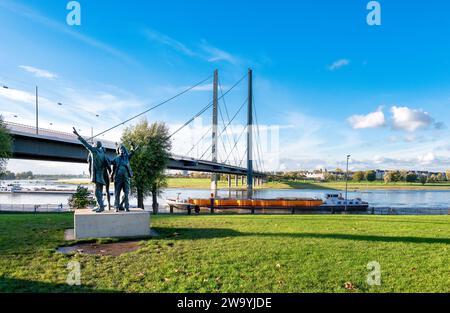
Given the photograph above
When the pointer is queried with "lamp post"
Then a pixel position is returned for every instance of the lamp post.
(37, 111)
(346, 182)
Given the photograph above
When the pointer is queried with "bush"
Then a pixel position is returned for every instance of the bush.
(81, 199)
(411, 177)
(358, 176)
(371, 175)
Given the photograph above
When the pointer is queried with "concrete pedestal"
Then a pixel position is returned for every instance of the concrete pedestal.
(107, 224)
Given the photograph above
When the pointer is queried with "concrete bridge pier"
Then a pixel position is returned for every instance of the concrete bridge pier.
(214, 184)
(236, 180)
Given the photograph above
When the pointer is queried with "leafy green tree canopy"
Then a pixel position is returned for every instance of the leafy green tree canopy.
(358, 176)
(371, 175)
(5, 145)
(149, 160)
(81, 199)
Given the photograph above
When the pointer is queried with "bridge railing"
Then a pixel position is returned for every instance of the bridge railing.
(18, 129)
(49, 133)
(34, 208)
(408, 211)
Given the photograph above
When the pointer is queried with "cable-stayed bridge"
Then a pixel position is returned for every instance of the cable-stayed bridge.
(35, 143)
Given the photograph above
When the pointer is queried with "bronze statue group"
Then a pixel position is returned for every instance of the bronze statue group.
(102, 170)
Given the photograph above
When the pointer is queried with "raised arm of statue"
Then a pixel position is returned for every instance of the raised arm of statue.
(133, 150)
(83, 141)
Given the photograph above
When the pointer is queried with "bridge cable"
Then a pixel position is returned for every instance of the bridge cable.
(243, 157)
(240, 108)
(200, 140)
(259, 149)
(155, 106)
(228, 117)
(235, 145)
(208, 106)
(226, 133)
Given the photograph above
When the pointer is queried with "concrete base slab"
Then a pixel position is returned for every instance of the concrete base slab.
(110, 224)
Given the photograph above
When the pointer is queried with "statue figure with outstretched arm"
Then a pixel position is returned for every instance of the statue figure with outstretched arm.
(121, 176)
(98, 167)
(106, 175)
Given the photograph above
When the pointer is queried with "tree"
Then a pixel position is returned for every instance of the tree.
(423, 179)
(402, 175)
(330, 177)
(432, 179)
(7, 175)
(371, 175)
(440, 177)
(358, 176)
(150, 159)
(81, 199)
(447, 175)
(392, 176)
(25, 175)
(5, 145)
(411, 177)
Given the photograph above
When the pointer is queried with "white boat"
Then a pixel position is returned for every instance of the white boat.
(10, 188)
(180, 204)
(336, 203)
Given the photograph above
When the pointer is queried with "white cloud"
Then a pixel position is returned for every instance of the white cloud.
(427, 158)
(371, 120)
(168, 41)
(38, 72)
(404, 118)
(17, 95)
(205, 51)
(338, 64)
(217, 55)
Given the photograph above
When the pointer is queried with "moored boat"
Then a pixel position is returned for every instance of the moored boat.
(10, 188)
(333, 203)
(336, 203)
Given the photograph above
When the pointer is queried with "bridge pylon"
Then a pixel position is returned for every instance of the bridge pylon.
(214, 176)
(250, 135)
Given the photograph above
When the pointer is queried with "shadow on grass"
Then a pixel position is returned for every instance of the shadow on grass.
(21, 285)
(207, 233)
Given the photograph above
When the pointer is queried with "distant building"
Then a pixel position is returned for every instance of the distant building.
(315, 176)
(379, 174)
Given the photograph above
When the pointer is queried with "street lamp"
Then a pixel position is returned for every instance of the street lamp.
(37, 108)
(346, 183)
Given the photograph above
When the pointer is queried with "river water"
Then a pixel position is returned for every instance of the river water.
(399, 199)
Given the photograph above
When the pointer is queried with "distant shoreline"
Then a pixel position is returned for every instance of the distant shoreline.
(204, 183)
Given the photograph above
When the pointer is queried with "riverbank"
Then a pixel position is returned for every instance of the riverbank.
(205, 183)
(356, 185)
(223, 253)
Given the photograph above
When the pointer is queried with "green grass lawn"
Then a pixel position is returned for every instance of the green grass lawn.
(237, 253)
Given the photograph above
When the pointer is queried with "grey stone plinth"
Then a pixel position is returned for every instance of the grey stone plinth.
(107, 224)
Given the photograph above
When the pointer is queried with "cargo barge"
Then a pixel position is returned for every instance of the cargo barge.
(333, 203)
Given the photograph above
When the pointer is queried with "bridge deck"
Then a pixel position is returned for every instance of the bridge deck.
(50, 145)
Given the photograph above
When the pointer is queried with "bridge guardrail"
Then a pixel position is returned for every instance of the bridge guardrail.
(34, 208)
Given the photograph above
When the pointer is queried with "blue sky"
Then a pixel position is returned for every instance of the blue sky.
(331, 84)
